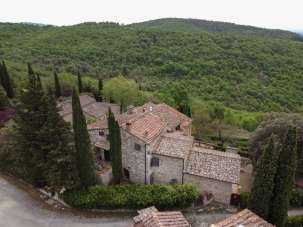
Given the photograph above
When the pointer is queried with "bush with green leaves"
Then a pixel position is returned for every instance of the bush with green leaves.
(296, 221)
(132, 196)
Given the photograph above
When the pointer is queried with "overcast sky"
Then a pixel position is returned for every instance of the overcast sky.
(283, 14)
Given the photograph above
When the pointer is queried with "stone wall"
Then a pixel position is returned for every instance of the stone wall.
(95, 136)
(169, 168)
(220, 190)
(133, 160)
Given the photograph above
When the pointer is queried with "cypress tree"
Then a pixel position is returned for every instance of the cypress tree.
(3, 99)
(100, 84)
(115, 147)
(30, 118)
(58, 92)
(80, 86)
(263, 186)
(61, 168)
(6, 81)
(284, 179)
(85, 156)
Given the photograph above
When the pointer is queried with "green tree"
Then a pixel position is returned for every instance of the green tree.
(30, 119)
(61, 167)
(115, 147)
(278, 124)
(217, 114)
(6, 81)
(85, 157)
(80, 86)
(119, 88)
(263, 186)
(58, 92)
(3, 99)
(284, 179)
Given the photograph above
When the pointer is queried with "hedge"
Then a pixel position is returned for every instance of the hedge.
(132, 196)
(295, 221)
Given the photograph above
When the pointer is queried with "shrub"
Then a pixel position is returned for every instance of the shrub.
(132, 196)
(296, 198)
(296, 221)
(244, 197)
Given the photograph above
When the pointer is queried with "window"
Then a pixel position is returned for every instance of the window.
(173, 181)
(137, 147)
(155, 162)
(101, 133)
(178, 128)
(126, 173)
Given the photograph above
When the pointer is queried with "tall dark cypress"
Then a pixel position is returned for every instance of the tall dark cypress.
(58, 92)
(58, 143)
(100, 84)
(3, 99)
(85, 156)
(80, 86)
(6, 81)
(263, 186)
(30, 118)
(284, 179)
(115, 147)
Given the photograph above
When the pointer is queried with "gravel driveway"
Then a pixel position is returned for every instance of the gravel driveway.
(17, 208)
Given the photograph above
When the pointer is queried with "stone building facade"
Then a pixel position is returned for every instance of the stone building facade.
(157, 147)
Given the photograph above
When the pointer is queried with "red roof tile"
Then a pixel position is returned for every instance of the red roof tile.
(244, 218)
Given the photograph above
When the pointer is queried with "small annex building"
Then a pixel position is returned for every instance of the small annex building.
(157, 147)
(151, 217)
(92, 109)
(244, 218)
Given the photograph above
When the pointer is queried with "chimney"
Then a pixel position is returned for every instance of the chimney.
(146, 133)
(128, 124)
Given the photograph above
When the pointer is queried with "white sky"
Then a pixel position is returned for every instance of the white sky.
(283, 14)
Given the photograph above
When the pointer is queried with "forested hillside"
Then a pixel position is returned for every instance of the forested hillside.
(242, 72)
(196, 25)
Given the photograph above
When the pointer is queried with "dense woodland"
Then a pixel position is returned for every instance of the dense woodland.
(223, 78)
(243, 72)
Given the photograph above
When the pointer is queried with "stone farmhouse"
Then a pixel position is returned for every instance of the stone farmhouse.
(92, 110)
(157, 147)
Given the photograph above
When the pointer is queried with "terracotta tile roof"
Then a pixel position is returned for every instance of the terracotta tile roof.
(174, 145)
(89, 106)
(244, 218)
(97, 109)
(66, 104)
(103, 144)
(214, 164)
(150, 217)
(146, 127)
(147, 121)
(143, 213)
(167, 113)
(101, 123)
